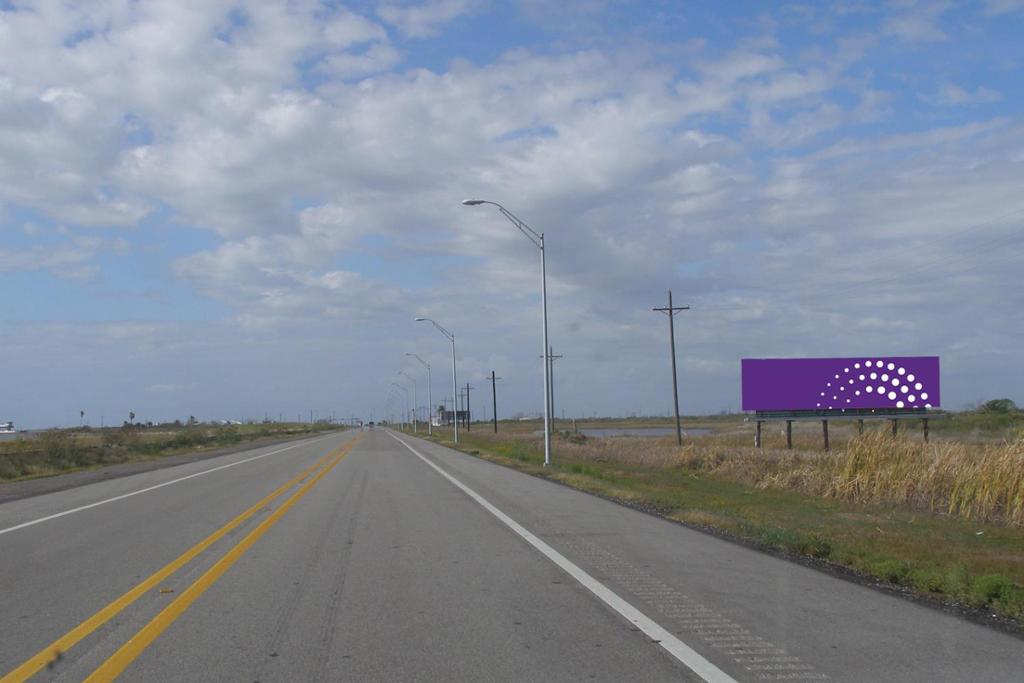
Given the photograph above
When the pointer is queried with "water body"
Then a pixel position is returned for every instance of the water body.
(600, 433)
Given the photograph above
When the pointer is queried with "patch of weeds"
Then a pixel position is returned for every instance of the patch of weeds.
(957, 580)
(792, 541)
(519, 453)
(893, 571)
(1011, 601)
(928, 579)
(586, 470)
(988, 588)
(8, 468)
(228, 437)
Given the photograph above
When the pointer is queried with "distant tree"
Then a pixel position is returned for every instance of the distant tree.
(192, 420)
(131, 417)
(999, 405)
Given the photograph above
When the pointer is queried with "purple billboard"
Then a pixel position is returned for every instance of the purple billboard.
(867, 382)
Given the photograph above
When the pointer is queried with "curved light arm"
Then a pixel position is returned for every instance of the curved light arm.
(407, 376)
(536, 237)
(451, 337)
(425, 363)
(406, 390)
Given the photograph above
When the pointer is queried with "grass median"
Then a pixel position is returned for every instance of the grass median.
(943, 520)
(66, 450)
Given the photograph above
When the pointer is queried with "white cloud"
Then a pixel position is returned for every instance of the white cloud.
(918, 22)
(998, 7)
(72, 258)
(953, 95)
(424, 19)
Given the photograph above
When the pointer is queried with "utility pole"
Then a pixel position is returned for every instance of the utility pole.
(467, 406)
(671, 311)
(494, 398)
(551, 387)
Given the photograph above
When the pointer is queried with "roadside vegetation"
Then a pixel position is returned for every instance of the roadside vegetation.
(943, 519)
(62, 450)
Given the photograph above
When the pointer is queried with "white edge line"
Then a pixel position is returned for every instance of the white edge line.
(152, 488)
(686, 655)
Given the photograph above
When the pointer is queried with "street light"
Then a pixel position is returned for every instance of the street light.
(396, 384)
(430, 400)
(391, 407)
(538, 241)
(415, 401)
(455, 383)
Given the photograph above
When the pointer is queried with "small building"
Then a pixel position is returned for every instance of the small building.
(446, 418)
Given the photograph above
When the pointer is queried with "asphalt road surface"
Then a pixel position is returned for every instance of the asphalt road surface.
(371, 556)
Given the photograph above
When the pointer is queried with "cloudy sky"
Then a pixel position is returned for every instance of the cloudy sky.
(232, 209)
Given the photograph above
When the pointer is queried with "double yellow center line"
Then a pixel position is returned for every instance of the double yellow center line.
(113, 666)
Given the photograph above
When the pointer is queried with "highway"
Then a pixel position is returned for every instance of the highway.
(363, 556)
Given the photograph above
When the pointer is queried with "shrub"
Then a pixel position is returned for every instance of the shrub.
(999, 405)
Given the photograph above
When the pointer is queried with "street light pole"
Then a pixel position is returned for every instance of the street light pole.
(455, 381)
(406, 391)
(415, 402)
(538, 241)
(430, 399)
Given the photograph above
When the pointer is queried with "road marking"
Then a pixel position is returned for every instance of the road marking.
(58, 647)
(127, 653)
(152, 488)
(686, 655)
(722, 634)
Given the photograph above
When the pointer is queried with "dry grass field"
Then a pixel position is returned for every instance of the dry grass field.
(64, 450)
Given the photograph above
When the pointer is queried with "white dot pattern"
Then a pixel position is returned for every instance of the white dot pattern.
(893, 386)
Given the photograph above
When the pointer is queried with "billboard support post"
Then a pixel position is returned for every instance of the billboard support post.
(789, 434)
(824, 432)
